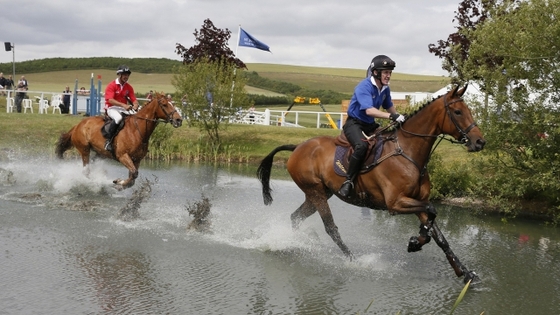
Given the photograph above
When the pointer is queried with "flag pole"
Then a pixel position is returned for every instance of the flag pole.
(235, 68)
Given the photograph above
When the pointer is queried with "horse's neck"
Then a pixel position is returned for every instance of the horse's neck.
(418, 135)
(146, 119)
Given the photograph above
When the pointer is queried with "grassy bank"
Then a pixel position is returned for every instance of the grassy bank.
(37, 134)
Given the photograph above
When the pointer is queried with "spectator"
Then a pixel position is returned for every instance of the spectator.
(3, 83)
(65, 106)
(20, 95)
(169, 99)
(150, 96)
(184, 100)
(24, 81)
(210, 98)
(252, 114)
(9, 83)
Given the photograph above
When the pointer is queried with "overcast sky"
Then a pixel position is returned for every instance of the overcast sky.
(325, 33)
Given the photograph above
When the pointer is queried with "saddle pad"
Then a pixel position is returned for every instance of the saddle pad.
(341, 158)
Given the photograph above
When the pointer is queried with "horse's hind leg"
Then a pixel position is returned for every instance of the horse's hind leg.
(320, 203)
(303, 212)
(85, 153)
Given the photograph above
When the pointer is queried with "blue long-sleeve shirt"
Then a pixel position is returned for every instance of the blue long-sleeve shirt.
(367, 95)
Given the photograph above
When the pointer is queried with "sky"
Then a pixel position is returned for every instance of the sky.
(325, 33)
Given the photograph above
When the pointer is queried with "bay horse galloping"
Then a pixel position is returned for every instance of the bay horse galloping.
(399, 184)
(131, 143)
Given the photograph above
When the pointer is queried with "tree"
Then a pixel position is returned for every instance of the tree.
(211, 45)
(209, 91)
(208, 81)
(523, 132)
(455, 50)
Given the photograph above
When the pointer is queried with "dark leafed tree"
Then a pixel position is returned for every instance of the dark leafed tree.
(455, 50)
(211, 44)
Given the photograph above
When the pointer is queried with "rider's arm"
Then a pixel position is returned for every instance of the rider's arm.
(376, 113)
(114, 102)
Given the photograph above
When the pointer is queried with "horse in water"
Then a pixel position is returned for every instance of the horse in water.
(131, 143)
(396, 181)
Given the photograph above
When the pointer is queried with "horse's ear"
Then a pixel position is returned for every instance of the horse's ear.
(459, 93)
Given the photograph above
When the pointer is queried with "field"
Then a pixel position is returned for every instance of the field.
(337, 79)
(342, 79)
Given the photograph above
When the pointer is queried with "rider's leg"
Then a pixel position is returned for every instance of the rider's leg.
(354, 134)
(116, 118)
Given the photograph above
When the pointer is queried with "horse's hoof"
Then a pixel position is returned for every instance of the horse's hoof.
(414, 245)
(471, 276)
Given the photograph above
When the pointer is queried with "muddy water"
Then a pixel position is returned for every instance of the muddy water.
(64, 250)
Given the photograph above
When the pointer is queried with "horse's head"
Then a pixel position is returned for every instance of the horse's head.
(461, 124)
(167, 111)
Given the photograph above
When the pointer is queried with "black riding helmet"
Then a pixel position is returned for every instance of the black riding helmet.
(123, 69)
(381, 62)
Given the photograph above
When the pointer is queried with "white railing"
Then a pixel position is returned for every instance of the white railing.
(288, 118)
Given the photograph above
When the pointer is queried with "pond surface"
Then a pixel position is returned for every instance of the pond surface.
(63, 250)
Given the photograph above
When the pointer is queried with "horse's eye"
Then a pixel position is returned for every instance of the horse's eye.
(457, 112)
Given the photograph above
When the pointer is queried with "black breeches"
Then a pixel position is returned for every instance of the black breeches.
(354, 130)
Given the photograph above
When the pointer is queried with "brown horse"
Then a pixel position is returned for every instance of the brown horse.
(131, 143)
(399, 184)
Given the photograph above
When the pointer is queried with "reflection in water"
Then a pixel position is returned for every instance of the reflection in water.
(117, 276)
(63, 249)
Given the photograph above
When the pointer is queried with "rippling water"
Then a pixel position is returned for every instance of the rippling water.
(64, 251)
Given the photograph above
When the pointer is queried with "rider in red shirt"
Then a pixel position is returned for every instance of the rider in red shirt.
(119, 97)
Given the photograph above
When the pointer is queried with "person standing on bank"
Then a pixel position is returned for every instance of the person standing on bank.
(66, 95)
(369, 96)
(119, 97)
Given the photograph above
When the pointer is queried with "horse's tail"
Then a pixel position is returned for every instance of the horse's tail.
(263, 172)
(64, 143)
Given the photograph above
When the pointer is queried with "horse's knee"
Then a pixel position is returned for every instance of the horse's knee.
(432, 212)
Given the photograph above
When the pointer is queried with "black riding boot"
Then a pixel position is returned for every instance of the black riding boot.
(112, 130)
(353, 169)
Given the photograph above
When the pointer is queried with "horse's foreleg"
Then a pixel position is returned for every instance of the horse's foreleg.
(426, 218)
(132, 172)
(457, 266)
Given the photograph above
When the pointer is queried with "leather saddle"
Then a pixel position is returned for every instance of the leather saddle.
(107, 121)
(344, 151)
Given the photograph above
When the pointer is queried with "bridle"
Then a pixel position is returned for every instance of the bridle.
(463, 139)
(168, 116)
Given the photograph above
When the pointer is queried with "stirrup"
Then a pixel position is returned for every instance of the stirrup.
(346, 187)
(108, 145)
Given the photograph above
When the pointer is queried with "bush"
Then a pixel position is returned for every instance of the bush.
(449, 180)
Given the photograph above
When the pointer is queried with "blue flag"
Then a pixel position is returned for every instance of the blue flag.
(247, 40)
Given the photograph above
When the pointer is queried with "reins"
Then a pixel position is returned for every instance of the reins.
(154, 120)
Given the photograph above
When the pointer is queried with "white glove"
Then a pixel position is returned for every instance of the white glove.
(397, 117)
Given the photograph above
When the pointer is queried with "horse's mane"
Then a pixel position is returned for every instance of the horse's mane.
(413, 110)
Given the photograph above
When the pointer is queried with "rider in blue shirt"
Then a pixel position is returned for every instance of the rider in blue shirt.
(369, 96)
